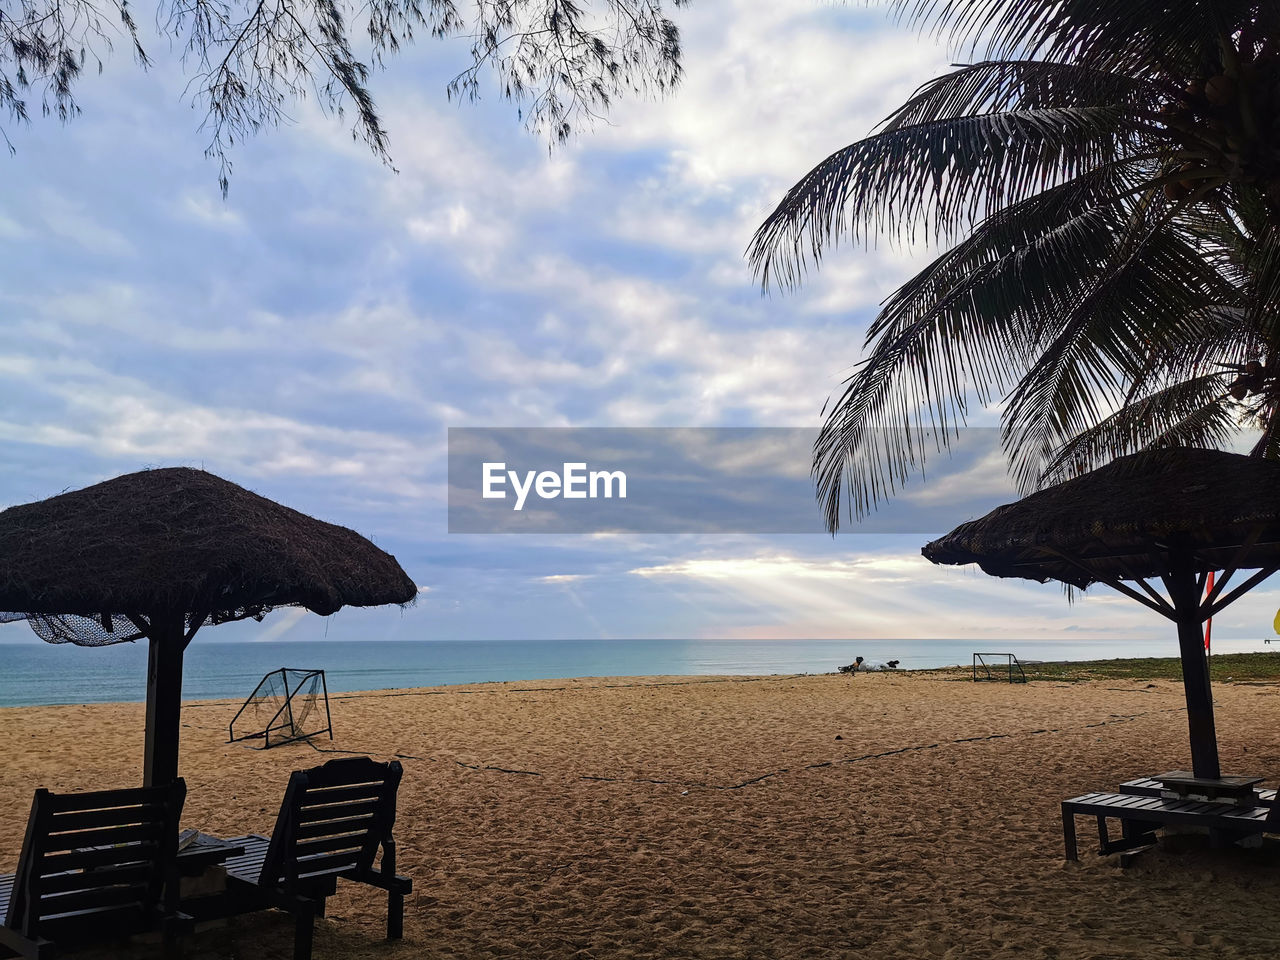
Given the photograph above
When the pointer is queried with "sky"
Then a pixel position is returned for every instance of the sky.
(316, 334)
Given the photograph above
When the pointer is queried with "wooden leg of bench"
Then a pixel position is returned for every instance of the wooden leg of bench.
(395, 915)
(1069, 834)
(14, 944)
(303, 931)
(1138, 833)
(1104, 839)
(1133, 834)
(172, 930)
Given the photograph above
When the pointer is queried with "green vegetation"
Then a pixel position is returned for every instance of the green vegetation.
(1222, 668)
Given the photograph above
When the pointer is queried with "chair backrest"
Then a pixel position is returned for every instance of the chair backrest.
(332, 821)
(97, 860)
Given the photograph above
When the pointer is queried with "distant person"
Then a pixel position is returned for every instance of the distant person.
(852, 668)
(876, 666)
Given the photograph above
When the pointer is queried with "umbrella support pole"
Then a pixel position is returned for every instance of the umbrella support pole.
(164, 700)
(1184, 591)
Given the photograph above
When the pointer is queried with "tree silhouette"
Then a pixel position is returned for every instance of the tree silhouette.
(250, 60)
(1108, 178)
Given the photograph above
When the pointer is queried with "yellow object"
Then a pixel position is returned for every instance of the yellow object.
(1276, 622)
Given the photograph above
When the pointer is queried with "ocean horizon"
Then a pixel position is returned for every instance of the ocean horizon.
(40, 674)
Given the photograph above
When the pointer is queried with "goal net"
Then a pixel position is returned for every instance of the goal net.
(287, 705)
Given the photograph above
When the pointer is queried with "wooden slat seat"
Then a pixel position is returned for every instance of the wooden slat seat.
(332, 824)
(1141, 814)
(94, 866)
(248, 865)
(6, 891)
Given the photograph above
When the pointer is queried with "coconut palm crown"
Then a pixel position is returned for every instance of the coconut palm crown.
(1106, 177)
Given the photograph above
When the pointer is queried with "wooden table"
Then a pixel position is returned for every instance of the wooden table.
(1152, 787)
(200, 865)
(204, 852)
(1182, 784)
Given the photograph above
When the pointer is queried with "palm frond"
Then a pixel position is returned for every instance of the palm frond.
(992, 86)
(1040, 249)
(1033, 289)
(1132, 36)
(935, 177)
(1119, 282)
(1150, 303)
(1262, 267)
(1195, 413)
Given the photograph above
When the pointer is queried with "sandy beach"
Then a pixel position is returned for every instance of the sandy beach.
(886, 816)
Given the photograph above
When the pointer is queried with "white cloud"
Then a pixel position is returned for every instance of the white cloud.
(280, 624)
(886, 596)
(70, 220)
(121, 417)
(770, 90)
(199, 207)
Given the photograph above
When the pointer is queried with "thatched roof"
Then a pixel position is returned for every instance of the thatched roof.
(181, 540)
(1119, 520)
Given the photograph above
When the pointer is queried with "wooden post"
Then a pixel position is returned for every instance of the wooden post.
(164, 699)
(1185, 593)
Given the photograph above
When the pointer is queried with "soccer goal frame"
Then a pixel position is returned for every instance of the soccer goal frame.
(1012, 663)
(284, 724)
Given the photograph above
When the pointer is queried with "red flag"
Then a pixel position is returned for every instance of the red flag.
(1208, 624)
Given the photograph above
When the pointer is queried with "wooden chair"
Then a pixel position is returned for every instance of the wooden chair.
(332, 822)
(94, 866)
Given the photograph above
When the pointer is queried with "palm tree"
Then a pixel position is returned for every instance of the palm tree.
(1107, 178)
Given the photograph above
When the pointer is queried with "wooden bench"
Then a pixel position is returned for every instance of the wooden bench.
(1140, 815)
(332, 823)
(94, 866)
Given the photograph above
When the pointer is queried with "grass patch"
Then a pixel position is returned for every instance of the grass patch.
(1222, 668)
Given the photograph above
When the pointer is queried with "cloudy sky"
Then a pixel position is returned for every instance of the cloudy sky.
(316, 334)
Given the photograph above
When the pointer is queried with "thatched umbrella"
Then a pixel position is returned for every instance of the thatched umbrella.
(1172, 514)
(159, 554)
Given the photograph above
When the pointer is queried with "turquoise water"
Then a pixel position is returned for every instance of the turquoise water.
(39, 673)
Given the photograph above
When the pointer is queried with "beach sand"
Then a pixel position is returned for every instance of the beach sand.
(885, 816)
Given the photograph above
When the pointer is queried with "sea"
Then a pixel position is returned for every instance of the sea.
(38, 673)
